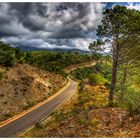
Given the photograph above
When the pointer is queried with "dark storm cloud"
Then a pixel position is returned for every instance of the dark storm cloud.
(67, 33)
(33, 24)
(49, 21)
(21, 9)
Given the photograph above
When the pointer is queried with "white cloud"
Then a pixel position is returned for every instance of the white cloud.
(133, 5)
(78, 43)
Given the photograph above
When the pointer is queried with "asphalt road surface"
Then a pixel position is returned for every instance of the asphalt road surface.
(29, 119)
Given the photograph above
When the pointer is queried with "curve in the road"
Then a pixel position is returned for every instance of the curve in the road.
(29, 119)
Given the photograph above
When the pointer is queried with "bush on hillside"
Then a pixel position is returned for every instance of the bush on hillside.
(131, 101)
(7, 59)
(1, 75)
(105, 69)
(82, 73)
(97, 78)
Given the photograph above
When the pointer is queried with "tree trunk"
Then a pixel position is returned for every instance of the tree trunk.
(114, 75)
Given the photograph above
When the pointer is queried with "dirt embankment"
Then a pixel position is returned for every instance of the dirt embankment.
(22, 86)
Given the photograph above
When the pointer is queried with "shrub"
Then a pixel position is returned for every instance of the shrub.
(93, 122)
(97, 79)
(1, 75)
(105, 69)
(82, 121)
(28, 105)
(39, 125)
(7, 59)
(82, 73)
(131, 101)
(8, 115)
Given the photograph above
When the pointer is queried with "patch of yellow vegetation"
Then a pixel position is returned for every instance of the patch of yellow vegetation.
(94, 96)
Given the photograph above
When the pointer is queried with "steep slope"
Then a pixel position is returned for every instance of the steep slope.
(22, 86)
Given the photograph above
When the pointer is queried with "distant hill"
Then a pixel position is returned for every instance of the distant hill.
(69, 50)
(26, 48)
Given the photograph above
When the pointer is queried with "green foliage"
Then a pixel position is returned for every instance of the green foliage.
(96, 56)
(102, 69)
(105, 69)
(119, 21)
(95, 47)
(8, 115)
(10, 56)
(120, 26)
(7, 59)
(82, 73)
(131, 101)
(97, 78)
(39, 125)
(93, 122)
(19, 55)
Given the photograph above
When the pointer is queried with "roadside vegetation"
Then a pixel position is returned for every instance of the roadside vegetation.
(9, 56)
(1, 74)
(101, 67)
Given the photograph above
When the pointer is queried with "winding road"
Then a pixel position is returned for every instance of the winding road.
(26, 121)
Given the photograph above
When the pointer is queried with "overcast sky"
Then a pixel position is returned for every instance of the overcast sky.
(52, 25)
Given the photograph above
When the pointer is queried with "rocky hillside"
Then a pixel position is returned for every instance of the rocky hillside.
(22, 86)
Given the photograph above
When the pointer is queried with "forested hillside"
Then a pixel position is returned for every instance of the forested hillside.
(49, 61)
(56, 62)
